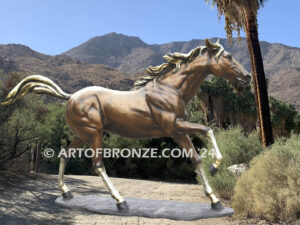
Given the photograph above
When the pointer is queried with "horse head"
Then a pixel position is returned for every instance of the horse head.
(222, 64)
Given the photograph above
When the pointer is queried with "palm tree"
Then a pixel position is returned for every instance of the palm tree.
(242, 14)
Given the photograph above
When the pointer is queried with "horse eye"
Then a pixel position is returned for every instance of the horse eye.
(229, 56)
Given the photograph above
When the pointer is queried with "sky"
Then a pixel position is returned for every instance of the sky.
(55, 26)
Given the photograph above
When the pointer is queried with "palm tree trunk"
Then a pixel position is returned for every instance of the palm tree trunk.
(258, 74)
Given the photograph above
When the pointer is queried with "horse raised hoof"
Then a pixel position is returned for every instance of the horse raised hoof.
(123, 206)
(67, 195)
(212, 170)
(217, 206)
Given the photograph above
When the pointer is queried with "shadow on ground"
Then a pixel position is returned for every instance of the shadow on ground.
(29, 198)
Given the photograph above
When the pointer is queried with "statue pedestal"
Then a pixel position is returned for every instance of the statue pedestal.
(145, 208)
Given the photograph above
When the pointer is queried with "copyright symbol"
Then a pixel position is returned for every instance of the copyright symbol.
(49, 153)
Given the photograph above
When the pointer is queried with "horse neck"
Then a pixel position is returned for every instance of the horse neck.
(186, 83)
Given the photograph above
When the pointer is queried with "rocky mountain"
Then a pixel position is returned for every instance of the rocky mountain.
(114, 60)
(131, 55)
(122, 52)
(69, 73)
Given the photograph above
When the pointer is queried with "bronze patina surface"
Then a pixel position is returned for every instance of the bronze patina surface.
(155, 108)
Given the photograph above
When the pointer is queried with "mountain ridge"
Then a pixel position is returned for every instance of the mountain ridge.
(281, 62)
(127, 57)
(69, 73)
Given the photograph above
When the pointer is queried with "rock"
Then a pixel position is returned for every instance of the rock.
(238, 169)
(263, 222)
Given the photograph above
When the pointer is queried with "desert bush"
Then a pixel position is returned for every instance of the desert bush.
(222, 183)
(236, 147)
(193, 112)
(271, 188)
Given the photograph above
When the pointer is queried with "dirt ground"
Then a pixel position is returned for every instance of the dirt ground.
(29, 199)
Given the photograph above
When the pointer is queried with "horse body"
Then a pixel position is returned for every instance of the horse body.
(125, 113)
(149, 111)
(155, 109)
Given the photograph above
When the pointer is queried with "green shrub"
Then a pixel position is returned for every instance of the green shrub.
(271, 188)
(193, 112)
(222, 183)
(236, 148)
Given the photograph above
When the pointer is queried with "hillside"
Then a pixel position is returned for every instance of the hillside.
(71, 74)
(131, 55)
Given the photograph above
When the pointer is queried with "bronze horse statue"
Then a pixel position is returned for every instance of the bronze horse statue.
(155, 108)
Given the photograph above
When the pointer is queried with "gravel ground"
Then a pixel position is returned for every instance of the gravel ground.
(29, 199)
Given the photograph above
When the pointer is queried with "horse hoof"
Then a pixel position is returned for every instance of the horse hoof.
(123, 206)
(67, 195)
(212, 170)
(217, 206)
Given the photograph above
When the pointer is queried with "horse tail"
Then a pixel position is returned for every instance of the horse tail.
(35, 84)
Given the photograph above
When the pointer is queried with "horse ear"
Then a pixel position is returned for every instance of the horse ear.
(208, 44)
(218, 41)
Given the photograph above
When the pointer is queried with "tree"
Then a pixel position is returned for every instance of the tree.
(19, 133)
(18, 124)
(242, 14)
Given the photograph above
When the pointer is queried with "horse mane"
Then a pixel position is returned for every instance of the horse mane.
(174, 60)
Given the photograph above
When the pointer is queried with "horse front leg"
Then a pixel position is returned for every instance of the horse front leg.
(193, 128)
(186, 144)
(66, 193)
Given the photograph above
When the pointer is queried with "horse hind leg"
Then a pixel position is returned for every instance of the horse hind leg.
(66, 193)
(100, 170)
(85, 119)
